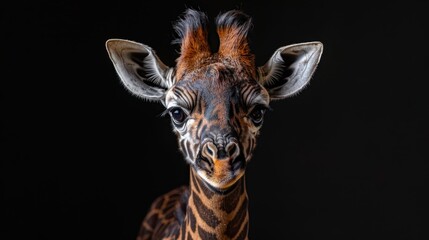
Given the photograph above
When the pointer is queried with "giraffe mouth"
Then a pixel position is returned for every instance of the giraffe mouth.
(221, 190)
(220, 174)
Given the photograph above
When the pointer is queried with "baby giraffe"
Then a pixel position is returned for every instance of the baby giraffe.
(216, 101)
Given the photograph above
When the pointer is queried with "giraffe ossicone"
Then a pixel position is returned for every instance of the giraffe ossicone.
(216, 101)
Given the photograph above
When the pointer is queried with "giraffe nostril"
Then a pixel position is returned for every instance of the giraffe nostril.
(212, 152)
(209, 151)
(233, 150)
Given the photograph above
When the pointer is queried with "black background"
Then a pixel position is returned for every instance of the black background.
(345, 159)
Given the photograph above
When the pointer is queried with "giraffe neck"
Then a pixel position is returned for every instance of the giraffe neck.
(215, 215)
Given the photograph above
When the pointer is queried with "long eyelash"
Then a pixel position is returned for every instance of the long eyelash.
(165, 112)
(263, 106)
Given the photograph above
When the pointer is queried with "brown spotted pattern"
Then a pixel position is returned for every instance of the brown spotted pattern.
(198, 212)
(165, 216)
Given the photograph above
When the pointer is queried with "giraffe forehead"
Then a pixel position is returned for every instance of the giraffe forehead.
(219, 79)
(217, 67)
(207, 93)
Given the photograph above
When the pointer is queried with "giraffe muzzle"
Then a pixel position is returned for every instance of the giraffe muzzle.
(221, 163)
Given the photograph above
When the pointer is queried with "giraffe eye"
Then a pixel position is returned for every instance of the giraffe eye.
(178, 115)
(257, 114)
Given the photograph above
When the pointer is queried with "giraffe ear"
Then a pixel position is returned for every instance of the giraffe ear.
(139, 69)
(290, 69)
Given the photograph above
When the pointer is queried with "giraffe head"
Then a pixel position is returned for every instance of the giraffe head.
(216, 99)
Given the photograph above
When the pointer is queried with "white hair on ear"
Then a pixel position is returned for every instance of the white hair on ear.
(155, 70)
(139, 69)
(290, 69)
(272, 71)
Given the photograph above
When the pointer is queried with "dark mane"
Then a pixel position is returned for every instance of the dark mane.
(232, 29)
(194, 46)
(190, 22)
(234, 19)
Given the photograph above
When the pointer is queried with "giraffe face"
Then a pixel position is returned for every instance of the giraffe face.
(216, 99)
(216, 113)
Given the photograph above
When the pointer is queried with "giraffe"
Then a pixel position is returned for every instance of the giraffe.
(216, 100)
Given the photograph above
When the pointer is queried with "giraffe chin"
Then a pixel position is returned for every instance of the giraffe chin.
(221, 183)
